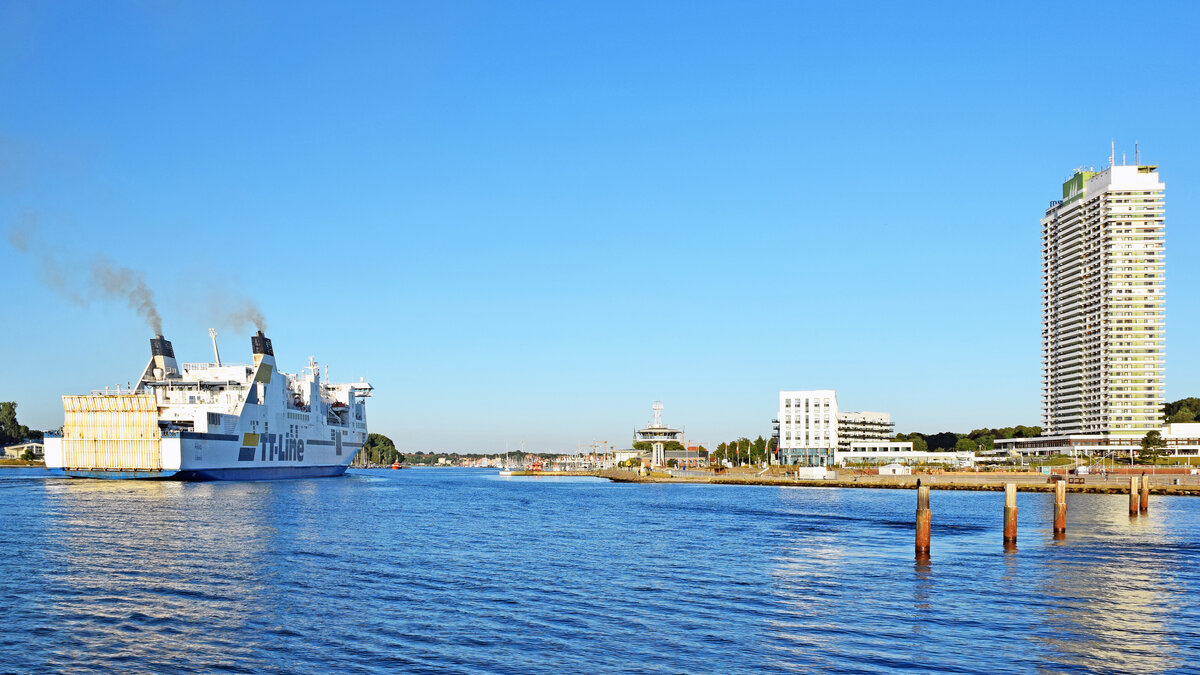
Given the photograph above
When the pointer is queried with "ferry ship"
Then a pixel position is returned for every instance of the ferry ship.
(212, 421)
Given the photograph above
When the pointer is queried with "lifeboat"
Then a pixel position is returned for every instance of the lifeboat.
(396, 464)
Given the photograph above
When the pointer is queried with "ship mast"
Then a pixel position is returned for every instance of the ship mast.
(212, 333)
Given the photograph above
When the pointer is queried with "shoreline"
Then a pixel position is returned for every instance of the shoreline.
(1160, 484)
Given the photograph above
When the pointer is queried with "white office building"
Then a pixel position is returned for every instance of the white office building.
(811, 428)
(807, 426)
(1103, 315)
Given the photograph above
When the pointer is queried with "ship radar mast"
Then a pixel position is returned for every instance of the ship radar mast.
(212, 333)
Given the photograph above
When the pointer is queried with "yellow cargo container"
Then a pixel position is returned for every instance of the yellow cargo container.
(111, 432)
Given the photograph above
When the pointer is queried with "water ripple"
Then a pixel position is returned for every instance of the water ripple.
(457, 571)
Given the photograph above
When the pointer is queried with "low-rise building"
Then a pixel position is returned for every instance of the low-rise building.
(890, 452)
(18, 451)
(690, 458)
(1182, 439)
(626, 454)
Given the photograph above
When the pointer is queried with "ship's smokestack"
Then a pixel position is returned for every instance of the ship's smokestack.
(163, 355)
(260, 345)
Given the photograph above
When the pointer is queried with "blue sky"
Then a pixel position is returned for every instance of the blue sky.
(527, 221)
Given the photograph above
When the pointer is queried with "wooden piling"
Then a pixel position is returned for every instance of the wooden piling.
(1060, 507)
(924, 518)
(1133, 495)
(1145, 505)
(1010, 513)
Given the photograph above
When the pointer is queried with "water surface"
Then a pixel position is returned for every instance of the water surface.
(460, 571)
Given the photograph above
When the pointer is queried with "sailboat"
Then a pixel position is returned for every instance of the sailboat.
(506, 470)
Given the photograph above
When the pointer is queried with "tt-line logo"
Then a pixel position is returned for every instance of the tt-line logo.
(275, 448)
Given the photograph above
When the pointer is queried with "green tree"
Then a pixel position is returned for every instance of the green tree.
(1183, 410)
(380, 449)
(966, 445)
(1021, 431)
(945, 440)
(758, 450)
(1153, 445)
(672, 462)
(11, 431)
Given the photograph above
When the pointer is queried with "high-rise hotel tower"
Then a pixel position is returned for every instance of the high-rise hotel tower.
(1102, 307)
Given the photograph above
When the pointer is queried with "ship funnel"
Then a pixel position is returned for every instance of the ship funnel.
(163, 356)
(260, 345)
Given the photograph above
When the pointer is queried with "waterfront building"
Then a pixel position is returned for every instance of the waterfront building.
(18, 451)
(890, 452)
(691, 457)
(811, 428)
(807, 426)
(863, 427)
(622, 455)
(658, 435)
(1182, 438)
(1103, 317)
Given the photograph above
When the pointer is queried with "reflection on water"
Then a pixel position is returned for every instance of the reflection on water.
(455, 571)
(135, 559)
(1106, 591)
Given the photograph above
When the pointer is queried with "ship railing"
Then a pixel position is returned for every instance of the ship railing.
(205, 366)
(108, 391)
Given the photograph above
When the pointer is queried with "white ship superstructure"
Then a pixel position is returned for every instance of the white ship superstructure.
(213, 421)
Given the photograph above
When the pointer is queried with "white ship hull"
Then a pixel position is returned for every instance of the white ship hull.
(202, 456)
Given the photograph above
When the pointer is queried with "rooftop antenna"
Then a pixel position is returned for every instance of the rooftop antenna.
(1112, 155)
(657, 408)
(1137, 159)
(212, 333)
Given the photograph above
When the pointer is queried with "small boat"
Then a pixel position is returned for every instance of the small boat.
(396, 464)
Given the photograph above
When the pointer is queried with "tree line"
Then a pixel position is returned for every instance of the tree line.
(948, 441)
(1182, 411)
(745, 451)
